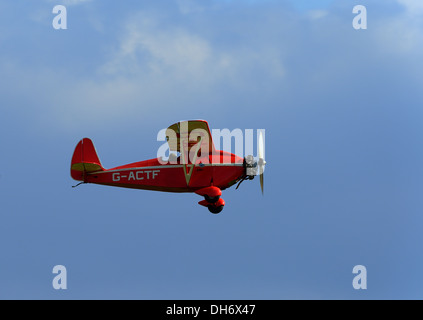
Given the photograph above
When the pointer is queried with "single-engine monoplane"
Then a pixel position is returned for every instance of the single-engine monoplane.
(193, 165)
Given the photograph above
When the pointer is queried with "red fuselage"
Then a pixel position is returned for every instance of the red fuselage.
(221, 169)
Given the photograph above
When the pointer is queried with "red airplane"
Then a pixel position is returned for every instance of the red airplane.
(198, 168)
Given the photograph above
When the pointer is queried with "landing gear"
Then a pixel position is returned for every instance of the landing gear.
(215, 210)
(214, 204)
(211, 199)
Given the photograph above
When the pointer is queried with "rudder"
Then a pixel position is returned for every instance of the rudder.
(85, 160)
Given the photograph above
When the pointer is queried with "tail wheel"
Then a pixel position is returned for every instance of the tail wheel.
(211, 199)
(215, 210)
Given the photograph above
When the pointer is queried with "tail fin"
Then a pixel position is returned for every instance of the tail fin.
(85, 160)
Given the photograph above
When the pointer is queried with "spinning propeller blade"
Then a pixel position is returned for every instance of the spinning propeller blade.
(261, 163)
(262, 183)
(254, 168)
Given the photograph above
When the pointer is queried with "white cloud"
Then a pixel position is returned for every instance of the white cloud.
(147, 47)
(317, 14)
(413, 6)
(189, 6)
(402, 33)
(159, 64)
(70, 2)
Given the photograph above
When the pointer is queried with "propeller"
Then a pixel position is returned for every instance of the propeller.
(254, 168)
(261, 163)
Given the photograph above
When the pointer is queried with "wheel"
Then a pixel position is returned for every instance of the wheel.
(211, 199)
(215, 210)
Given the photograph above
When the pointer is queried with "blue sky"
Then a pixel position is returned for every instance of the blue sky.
(342, 113)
